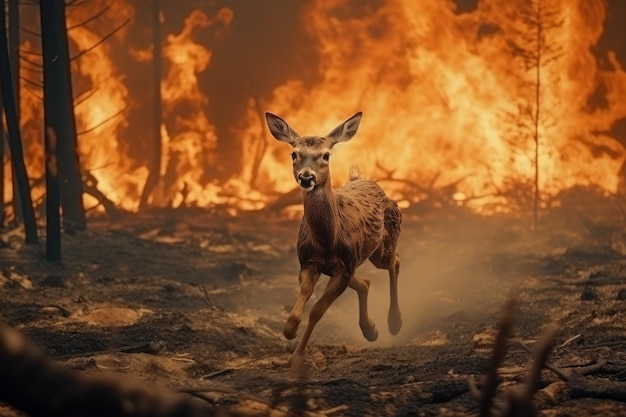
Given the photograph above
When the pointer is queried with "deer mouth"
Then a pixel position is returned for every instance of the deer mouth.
(306, 184)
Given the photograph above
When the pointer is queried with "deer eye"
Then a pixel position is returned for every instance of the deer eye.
(326, 156)
(293, 156)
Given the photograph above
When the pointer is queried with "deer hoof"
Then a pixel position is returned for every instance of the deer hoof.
(395, 322)
(291, 327)
(370, 332)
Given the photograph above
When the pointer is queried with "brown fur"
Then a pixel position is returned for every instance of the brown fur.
(341, 229)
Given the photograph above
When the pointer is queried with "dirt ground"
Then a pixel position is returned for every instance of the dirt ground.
(194, 298)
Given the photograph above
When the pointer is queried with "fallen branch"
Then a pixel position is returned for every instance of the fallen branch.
(524, 401)
(152, 348)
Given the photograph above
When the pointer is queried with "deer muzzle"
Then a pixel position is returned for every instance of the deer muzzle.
(306, 180)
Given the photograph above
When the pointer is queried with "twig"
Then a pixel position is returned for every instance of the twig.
(207, 299)
(30, 32)
(505, 329)
(217, 373)
(108, 119)
(101, 41)
(146, 347)
(552, 368)
(571, 340)
(334, 410)
(92, 18)
(31, 82)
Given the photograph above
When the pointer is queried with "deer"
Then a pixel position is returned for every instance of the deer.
(340, 229)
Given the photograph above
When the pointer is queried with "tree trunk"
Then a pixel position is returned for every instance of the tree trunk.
(537, 120)
(14, 57)
(154, 172)
(53, 197)
(59, 109)
(2, 206)
(15, 140)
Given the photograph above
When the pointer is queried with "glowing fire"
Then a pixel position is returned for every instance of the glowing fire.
(435, 93)
(439, 90)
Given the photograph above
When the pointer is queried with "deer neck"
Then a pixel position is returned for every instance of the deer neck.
(321, 214)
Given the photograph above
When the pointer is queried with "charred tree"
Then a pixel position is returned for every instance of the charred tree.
(14, 58)
(154, 172)
(2, 156)
(59, 109)
(15, 140)
(535, 48)
(53, 198)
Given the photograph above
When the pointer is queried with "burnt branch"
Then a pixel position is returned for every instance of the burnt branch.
(33, 63)
(101, 41)
(522, 402)
(30, 32)
(105, 121)
(84, 96)
(25, 52)
(31, 82)
(33, 92)
(92, 18)
(75, 3)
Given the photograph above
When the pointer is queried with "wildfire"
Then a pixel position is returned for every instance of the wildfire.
(442, 94)
(437, 89)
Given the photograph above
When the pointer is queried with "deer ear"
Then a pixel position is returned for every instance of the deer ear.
(346, 130)
(280, 129)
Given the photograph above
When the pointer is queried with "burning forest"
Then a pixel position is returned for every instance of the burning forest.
(154, 228)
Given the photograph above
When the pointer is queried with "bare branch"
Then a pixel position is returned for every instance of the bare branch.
(74, 3)
(24, 52)
(108, 119)
(30, 32)
(33, 92)
(101, 41)
(33, 63)
(84, 96)
(31, 82)
(92, 18)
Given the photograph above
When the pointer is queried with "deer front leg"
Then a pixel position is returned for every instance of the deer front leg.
(308, 278)
(337, 284)
(362, 286)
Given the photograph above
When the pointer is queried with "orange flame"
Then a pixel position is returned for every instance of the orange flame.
(435, 91)
(440, 91)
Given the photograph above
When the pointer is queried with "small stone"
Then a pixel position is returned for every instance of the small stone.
(621, 294)
(588, 294)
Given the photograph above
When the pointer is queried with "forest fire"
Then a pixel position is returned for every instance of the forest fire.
(449, 98)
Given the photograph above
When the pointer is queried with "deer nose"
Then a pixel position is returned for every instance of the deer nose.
(306, 176)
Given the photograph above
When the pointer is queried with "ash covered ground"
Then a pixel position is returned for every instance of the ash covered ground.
(188, 298)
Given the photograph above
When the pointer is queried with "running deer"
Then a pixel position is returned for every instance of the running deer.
(341, 228)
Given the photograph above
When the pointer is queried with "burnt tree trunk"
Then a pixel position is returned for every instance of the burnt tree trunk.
(15, 140)
(59, 109)
(154, 172)
(53, 194)
(2, 156)
(14, 58)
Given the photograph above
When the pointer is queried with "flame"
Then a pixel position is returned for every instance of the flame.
(101, 118)
(438, 89)
(441, 92)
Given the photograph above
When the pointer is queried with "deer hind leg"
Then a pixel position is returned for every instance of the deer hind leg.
(362, 286)
(394, 319)
(386, 257)
(337, 284)
(308, 278)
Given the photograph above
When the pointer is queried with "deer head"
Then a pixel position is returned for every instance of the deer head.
(311, 154)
